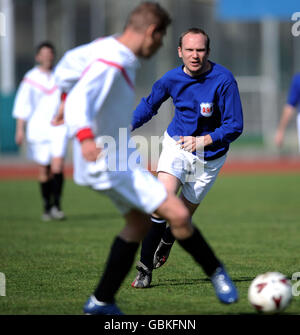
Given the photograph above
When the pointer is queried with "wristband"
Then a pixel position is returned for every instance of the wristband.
(84, 133)
(63, 96)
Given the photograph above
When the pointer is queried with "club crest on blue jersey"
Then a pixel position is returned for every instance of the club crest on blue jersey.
(206, 108)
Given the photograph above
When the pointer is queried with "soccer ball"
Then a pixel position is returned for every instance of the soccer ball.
(270, 292)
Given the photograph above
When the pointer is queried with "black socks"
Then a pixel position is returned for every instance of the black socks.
(57, 186)
(151, 241)
(168, 237)
(121, 258)
(201, 251)
(51, 191)
(46, 191)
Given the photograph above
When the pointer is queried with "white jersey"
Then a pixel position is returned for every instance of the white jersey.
(74, 63)
(109, 78)
(36, 102)
(101, 97)
(68, 72)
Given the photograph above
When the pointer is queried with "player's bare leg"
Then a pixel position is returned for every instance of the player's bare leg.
(57, 165)
(137, 226)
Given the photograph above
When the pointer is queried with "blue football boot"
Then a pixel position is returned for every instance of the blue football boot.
(94, 307)
(224, 287)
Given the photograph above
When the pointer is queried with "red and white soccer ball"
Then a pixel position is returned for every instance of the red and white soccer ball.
(270, 292)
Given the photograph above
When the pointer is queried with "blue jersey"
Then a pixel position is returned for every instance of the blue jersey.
(294, 93)
(206, 104)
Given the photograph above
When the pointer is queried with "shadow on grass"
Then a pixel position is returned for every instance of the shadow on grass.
(103, 217)
(195, 281)
(93, 216)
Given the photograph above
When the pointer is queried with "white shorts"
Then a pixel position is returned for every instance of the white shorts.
(43, 152)
(196, 175)
(134, 189)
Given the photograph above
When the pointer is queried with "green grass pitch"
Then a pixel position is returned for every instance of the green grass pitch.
(252, 222)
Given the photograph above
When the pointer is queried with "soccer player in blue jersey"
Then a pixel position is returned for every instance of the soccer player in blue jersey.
(289, 109)
(208, 117)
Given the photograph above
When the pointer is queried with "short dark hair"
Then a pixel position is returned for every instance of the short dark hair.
(195, 31)
(45, 44)
(148, 13)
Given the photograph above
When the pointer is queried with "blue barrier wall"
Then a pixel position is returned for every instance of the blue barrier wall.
(7, 124)
(256, 9)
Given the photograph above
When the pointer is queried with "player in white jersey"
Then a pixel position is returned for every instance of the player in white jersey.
(68, 71)
(98, 111)
(37, 101)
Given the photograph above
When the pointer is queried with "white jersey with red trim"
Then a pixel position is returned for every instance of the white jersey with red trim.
(103, 100)
(73, 64)
(37, 100)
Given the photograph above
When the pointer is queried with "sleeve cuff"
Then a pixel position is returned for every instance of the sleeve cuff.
(214, 137)
(84, 134)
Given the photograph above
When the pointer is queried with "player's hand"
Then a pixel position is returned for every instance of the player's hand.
(89, 150)
(58, 119)
(19, 137)
(279, 138)
(191, 143)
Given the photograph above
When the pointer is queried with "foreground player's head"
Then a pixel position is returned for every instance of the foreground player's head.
(45, 55)
(194, 50)
(145, 29)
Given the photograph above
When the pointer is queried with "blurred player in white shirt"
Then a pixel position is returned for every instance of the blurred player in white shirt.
(37, 101)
